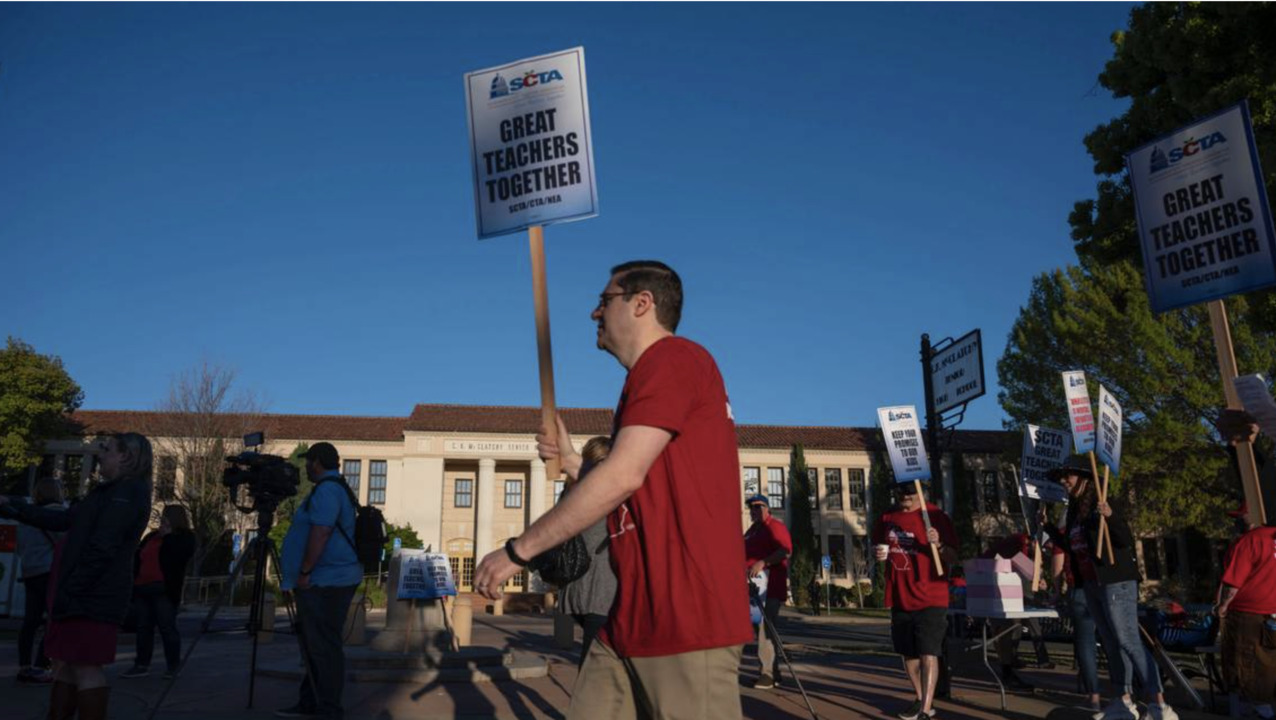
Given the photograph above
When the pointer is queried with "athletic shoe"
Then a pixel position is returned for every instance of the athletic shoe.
(764, 682)
(926, 716)
(1161, 711)
(34, 676)
(1118, 709)
(912, 712)
(137, 671)
(296, 711)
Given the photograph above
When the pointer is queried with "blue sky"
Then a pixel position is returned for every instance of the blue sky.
(285, 189)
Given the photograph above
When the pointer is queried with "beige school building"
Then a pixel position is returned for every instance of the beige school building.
(466, 478)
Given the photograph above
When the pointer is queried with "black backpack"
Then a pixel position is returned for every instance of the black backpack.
(369, 527)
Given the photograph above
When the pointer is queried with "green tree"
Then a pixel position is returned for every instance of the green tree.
(1177, 62)
(36, 396)
(806, 544)
(881, 482)
(283, 515)
(1163, 371)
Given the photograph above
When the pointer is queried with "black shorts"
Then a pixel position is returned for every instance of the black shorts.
(920, 632)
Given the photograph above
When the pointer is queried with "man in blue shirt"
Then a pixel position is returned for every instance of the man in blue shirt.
(321, 569)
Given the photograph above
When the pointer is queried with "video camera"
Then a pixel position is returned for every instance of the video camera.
(269, 478)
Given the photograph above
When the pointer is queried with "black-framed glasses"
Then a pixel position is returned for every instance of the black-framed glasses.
(604, 298)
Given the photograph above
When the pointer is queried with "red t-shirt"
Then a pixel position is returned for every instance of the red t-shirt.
(760, 542)
(148, 569)
(912, 581)
(1252, 570)
(1080, 547)
(675, 543)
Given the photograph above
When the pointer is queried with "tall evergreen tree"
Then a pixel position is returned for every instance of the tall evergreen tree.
(806, 544)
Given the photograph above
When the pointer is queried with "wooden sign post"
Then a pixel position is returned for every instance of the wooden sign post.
(544, 351)
(934, 549)
(1244, 450)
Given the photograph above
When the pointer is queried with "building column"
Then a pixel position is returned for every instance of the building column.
(486, 506)
(536, 491)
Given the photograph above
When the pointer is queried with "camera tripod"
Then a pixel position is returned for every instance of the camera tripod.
(260, 549)
(757, 599)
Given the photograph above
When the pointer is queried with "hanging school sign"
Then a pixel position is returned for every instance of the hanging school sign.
(904, 443)
(1204, 222)
(530, 145)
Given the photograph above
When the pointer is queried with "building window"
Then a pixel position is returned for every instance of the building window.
(352, 469)
(48, 465)
(1171, 556)
(558, 490)
(74, 469)
(513, 493)
(752, 478)
(464, 494)
(988, 497)
(837, 554)
(775, 487)
(813, 479)
(855, 486)
(165, 478)
(859, 555)
(833, 489)
(377, 470)
(1010, 492)
(462, 571)
(1151, 559)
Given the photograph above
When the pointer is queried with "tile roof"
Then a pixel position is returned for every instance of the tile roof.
(512, 420)
(299, 427)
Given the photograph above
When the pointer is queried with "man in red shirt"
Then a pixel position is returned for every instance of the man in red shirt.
(767, 546)
(671, 646)
(915, 592)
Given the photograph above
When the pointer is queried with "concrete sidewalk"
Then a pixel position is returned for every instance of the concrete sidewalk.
(844, 664)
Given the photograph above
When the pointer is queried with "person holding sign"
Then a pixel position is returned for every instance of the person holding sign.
(915, 591)
(588, 599)
(767, 546)
(1111, 590)
(672, 643)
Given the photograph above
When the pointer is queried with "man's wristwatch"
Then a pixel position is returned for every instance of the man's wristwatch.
(514, 558)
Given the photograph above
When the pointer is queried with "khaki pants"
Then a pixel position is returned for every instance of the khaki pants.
(766, 645)
(699, 685)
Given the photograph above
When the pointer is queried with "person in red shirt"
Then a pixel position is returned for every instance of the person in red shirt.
(1247, 598)
(915, 592)
(767, 546)
(672, 643)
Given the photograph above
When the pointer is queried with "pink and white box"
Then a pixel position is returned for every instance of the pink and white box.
(992, 587)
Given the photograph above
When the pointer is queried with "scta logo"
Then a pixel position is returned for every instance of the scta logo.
(1161, 160)
(531, 78)
(893, 416)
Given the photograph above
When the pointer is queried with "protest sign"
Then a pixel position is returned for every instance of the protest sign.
(908, 457)
(1204, 223)
(1079, 413)
(1044, 449)
(1109, 438)
(904, 443)
(424, 575)
(530, 143)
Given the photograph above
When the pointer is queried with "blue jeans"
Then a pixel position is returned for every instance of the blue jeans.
(321, 615)
(155, 609)
(1083, 641)
(1127, 655)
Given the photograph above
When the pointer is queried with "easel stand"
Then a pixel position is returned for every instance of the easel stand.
(261, 550)
(755, 597)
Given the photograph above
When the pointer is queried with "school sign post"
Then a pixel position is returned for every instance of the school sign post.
(1205, 227)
